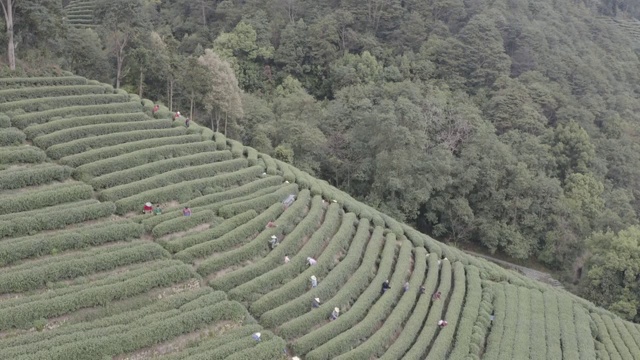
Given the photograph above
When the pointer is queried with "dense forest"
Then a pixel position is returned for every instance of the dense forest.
(508, 124)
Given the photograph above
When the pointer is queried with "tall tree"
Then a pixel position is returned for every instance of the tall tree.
(123, 22)
(8, 10)
(240, 48)
(223, 97)
(613, 271)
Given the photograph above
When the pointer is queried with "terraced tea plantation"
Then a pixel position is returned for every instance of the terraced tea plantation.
(79, 13)
(86, 275)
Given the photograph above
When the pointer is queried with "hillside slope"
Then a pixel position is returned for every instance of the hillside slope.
(86, 275)
(79, 13)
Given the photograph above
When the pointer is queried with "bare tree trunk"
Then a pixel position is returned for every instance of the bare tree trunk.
(226, 117)
(191, 108)
(140, 85)
(171, 94)
(204, 14)
(121, 44)
(120, 60)
(217, 121)
(8, 17)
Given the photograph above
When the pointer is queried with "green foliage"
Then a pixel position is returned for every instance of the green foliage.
(412, 327)
(81, 145)
(271, 166)
(121, 157)
(80, 132)
(287, 174)
(469, 315)
(22, 154)
(288, 245)
(573, 149)
(348, 323)
(222, 345)
(111, 106)
(268, 350)
(158, 327)
(625, 335)
(221, 141)
(31, 176)
(172, 177)
(177, 225)
(552, 318)
(19, 82)
(510, 323)
(611, 270)
(538, 338)
(253, 188)
(55, 208)
(168, 304)
(8, 95)
(35, 275)
(376, 343)
(187, 190)
(284, 153)
(11, 137)
(617, 339)
(62, 124)
(57, 104)
(141, 172)
(32, 222)
(34, 246)
(258, 202)
(257, 245)
(237, 236)
(47, 196)
(435, 314)
(325, 263)
(334, 284)
(584, 336)
(567, 327)
(268, 281)
(21, 312)
(498, 324)
(252, 155)
(237, 148)
(242, 342)
(5, 121)
(483, 322)
(217, 231)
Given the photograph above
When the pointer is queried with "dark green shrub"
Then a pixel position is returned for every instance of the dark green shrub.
(11, 137)
(81, 145)
(31, 176)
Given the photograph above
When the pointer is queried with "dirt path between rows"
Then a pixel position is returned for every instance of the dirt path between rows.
(528, 272)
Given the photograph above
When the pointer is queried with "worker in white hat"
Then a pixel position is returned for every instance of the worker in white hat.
(148, 208)
(316, 302)
(256, 336)
(273, 241)
(335, 313)
(314, 281)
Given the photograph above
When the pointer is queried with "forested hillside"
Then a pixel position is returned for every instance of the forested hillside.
(508, 124)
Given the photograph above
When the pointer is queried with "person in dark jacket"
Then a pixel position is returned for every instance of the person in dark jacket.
(385, 286)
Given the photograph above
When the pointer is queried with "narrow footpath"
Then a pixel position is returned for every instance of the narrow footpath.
(528, 272)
